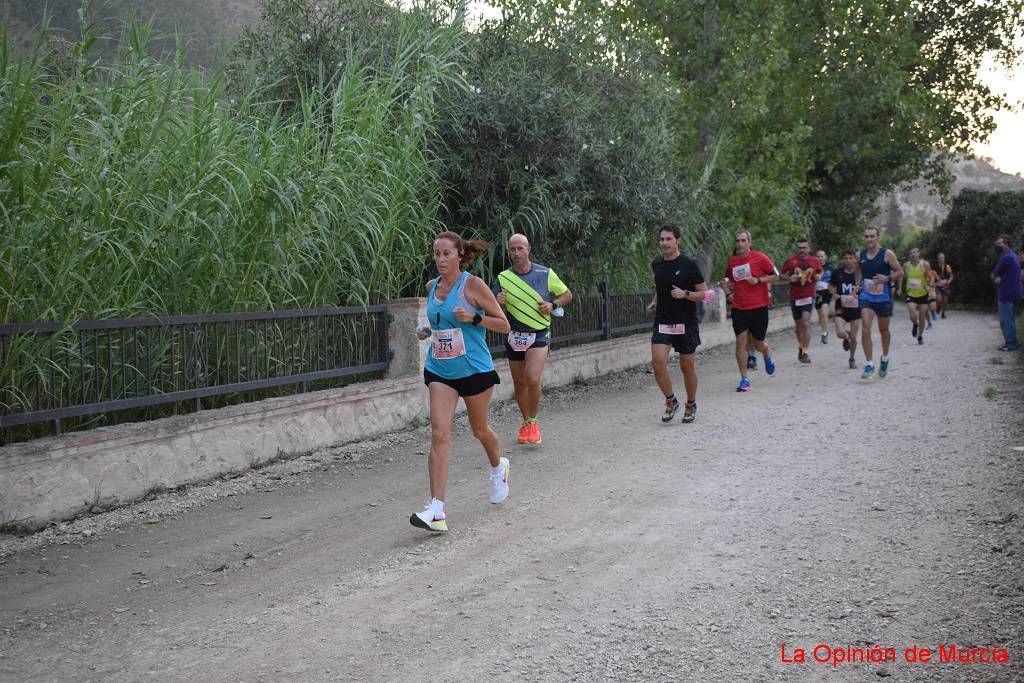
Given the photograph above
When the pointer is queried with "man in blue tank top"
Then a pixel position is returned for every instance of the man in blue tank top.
(879, 270)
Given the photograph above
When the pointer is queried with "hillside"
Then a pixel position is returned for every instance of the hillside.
(917, 207)
(208, 26)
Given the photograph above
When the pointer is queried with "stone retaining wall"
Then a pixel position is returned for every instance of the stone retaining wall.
(61, 477)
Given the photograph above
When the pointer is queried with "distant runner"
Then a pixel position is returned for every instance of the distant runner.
(529, 292)
(678, 287)
(803, 271)
(944, 285)
(879, 271)
(823, 295)
(845, 288)
(748, 277)
(915, 278)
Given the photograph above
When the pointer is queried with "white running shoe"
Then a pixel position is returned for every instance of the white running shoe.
(499, 482)
(430, 519)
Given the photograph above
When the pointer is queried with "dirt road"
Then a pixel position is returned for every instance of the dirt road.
(816, 509)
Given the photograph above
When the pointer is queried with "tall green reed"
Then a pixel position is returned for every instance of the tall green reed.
(139, 188)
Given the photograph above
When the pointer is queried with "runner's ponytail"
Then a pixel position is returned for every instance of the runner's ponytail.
(468, 249)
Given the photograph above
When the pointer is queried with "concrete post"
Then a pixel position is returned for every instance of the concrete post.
(409, 354)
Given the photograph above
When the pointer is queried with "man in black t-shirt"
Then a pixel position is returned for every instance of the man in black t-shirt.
(678, 287)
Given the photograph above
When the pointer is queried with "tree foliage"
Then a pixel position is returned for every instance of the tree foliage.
(557, 140)
(967, 238)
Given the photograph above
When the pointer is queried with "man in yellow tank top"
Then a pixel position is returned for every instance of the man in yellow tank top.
(915, 284)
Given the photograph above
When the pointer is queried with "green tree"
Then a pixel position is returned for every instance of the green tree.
(967, 238)
(557, 140)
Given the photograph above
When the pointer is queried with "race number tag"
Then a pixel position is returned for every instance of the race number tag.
(804, 301)
(849, 301)
(520, 341)
(449, 344)
(741, 272)
(913, 283)
(821, 285)
(679, 328)
(874, 288)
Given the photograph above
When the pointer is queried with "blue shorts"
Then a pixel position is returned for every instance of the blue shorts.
(883, 309)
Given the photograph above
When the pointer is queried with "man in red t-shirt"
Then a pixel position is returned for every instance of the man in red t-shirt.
(747, 278)
(802, 270)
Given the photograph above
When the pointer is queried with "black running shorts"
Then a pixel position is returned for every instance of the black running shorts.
(465, 386)
(754, 321)
(684, 344)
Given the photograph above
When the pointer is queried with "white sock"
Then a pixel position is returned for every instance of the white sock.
(885, 359)
(438, 506)
(497, 470)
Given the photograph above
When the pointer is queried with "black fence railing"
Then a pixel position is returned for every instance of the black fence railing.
(51, 371)
(592, 317)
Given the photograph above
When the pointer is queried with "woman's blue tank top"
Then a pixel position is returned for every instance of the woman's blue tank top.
(441, 315)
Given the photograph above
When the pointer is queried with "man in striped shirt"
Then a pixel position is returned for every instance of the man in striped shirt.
(529, 293)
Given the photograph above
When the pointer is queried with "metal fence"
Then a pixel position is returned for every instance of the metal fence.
(592, 317)
(53, 372)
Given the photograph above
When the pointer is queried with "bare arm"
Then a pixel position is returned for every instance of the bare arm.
(546, 307)
(481, 296)
(894, 263)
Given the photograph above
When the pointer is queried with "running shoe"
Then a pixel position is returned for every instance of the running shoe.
(869, 371)
(745, 383)
(883, 369)
(824, 337)
(913, 332)
(769, 367)
(929, 325)
(853, 364)
(671, 409)
(935, 316)
(690, 414)
(920, 341)
(534, 435)
(846, 343)
(499, 482)
(751, 362)
(943, 316)
(524, 433)
(805, 358)
(430, 519)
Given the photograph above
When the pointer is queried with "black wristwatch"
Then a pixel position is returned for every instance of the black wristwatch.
(477, 318)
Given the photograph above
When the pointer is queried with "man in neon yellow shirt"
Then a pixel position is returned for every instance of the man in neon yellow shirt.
(915, 284)
(529, 293)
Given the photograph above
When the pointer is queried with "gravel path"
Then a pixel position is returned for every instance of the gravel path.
(817, 509)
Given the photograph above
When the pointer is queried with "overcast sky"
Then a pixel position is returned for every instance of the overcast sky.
(1006, 146)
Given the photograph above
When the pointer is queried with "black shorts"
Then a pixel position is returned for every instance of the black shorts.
(920, 300)
(848, 314)
(822, 298)
(798, 311)
(685, 344)
(465, 386)
(542, 339)
(754, 321)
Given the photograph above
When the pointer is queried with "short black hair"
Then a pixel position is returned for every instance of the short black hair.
(672, 228)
